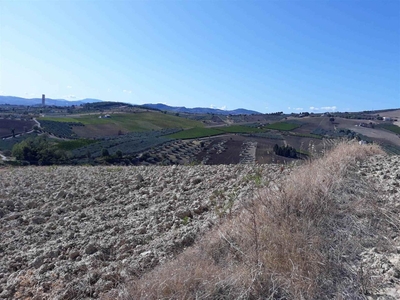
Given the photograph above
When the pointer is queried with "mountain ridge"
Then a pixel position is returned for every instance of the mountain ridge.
(201, 110)
(13, 100)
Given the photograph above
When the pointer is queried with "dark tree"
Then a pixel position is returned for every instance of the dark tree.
(105, 152)
(285, 151)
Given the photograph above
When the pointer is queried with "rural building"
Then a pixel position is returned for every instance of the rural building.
(387, 119)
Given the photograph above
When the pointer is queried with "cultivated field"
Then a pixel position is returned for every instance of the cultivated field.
(73, 232)
(132, 122)
(134, 136)
(19, 126)
(326, 229)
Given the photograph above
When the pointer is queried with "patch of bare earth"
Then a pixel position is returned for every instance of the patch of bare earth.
(78, 232)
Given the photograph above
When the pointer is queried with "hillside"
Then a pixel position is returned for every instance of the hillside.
(90, 232)
(94, 126)
(11, 100)
(147, 136)
(201, 110)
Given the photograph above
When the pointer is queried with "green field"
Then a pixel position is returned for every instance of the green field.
(283, 126)
(239, 129)
(391, 127)
(194, 133)
(132, 122)
(74, 144)
(58, 119)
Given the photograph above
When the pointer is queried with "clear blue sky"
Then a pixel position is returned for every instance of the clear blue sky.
(263, 55)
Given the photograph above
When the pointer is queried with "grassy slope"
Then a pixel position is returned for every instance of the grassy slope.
(132, 122)
(194, 133)
(391, 127)
(74, 144)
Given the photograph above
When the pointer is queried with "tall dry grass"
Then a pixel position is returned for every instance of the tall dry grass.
(296, 239)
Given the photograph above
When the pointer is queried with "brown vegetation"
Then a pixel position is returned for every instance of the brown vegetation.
(296, 239)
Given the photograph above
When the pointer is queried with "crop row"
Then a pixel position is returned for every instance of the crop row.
(60, 129)
(199, 132)
(7, 144)
(390, 127)
(130, 143)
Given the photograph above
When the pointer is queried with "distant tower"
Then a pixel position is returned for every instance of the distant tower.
(43, 100)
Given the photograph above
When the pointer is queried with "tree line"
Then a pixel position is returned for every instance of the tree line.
(286, 151)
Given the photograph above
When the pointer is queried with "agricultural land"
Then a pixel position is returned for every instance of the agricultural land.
(139, 136)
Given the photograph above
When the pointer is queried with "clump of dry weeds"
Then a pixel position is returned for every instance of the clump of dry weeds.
(297, 239)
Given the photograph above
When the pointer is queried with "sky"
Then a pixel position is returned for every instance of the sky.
(268, 56)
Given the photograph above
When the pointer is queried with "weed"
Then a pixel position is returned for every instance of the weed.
(185, 220)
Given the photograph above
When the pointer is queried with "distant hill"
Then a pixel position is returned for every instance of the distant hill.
(38, 101)
(62, 102)
(201, 110)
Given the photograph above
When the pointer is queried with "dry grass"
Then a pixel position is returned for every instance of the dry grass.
(298, 239)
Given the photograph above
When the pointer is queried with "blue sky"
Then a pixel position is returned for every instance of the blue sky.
(267, 56)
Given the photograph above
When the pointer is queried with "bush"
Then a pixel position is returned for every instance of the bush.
(38, 150)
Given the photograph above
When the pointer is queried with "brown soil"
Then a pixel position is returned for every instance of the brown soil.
(98, 130)
(230, 155)
(7, 125)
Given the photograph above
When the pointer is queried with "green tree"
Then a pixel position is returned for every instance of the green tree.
(39, 151)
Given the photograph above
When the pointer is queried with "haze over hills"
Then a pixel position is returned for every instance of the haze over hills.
(201, 110)
(38, 101)
(63, 102)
